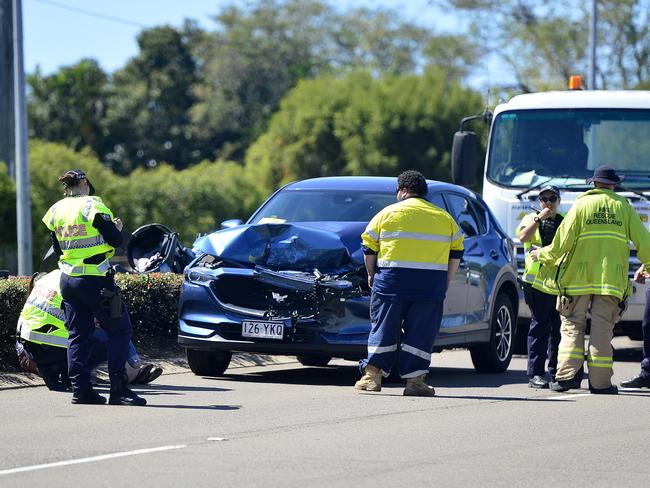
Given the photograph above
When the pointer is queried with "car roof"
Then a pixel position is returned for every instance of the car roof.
(383, 184)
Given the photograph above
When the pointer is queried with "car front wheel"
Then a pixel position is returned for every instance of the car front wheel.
(495, 356)
(208, 363)
(313, 360)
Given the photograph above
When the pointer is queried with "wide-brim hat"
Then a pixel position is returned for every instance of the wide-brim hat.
(606, 174)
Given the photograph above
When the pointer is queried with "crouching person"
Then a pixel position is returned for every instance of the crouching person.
(43, 339)
(411, 248)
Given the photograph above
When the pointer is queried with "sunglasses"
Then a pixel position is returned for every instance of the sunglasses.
(551, 199)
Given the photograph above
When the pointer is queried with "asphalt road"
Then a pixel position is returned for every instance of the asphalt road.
(293, 426)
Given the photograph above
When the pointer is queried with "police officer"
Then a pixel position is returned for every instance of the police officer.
(85, 236)
(43, 338)
(593, 244)
(642, 380)
(537, 230)
(410, 250)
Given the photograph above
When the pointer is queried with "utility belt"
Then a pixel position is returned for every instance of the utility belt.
(564, 305)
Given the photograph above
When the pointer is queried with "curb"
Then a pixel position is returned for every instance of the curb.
(177, 365)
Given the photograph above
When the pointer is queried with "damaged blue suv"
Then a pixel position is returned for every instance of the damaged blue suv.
(291, 280)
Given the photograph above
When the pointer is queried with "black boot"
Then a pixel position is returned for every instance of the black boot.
(88, 397)
(121, 394)
(565, 385)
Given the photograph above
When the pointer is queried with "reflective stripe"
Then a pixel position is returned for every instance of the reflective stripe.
(372, 234)
(85, 212)
(604, 235)
(573, 353)
(457, 235)
(69, 269)
(415, 374)
(416, 352)
(528, 277)
(381, 349)
(385, 263)
(49, 339)
(82, 243)
(592, 364)
(593, 289)
(46, 307)
(421, 236)
(572, 356)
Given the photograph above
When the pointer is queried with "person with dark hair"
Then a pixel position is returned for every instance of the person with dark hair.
(411, 249)
(538, 229)
(43, 339)
(84, 234)
(592, 248)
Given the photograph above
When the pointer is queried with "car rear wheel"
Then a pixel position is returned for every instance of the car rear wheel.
(313, 360)
(495, 356)
(208, 363)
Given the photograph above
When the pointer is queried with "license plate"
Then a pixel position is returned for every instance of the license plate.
(264, 330)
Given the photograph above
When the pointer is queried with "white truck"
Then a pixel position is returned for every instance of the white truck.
(558, 138)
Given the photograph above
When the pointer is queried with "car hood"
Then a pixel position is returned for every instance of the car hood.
(330, 247)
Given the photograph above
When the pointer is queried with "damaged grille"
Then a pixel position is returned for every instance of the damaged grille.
(288, 294)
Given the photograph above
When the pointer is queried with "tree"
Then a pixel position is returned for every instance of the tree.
(360, 125)
(545, 42)
(69, 105)
(148, 119)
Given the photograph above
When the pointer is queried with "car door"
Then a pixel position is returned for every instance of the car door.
(475, 259)
(455, 305)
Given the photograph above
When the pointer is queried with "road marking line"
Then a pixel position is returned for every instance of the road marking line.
(92, 459)
(216, 438)
(569, 396)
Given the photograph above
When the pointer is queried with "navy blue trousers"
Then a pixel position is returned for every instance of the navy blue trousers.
(645, 328)
(82, 303)
(420, 321)
(543, 333)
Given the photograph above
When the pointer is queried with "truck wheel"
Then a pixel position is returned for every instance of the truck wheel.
(208, 363)
(495, 356)
(313, 360)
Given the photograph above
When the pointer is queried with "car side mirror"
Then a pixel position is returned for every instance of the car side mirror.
(229, 224)
(464, 158)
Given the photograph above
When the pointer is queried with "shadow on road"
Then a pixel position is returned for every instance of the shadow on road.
(198, 407)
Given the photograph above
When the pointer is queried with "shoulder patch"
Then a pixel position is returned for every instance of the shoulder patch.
(106, 217)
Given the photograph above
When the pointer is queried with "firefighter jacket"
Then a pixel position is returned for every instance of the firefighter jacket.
(534, 273)
(72, 220)
(42, 319)
(592, 248)
(415, 234)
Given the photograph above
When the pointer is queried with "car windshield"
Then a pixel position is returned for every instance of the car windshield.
(323, 206)
(562, 147)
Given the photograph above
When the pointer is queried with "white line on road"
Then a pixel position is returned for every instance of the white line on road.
(92, 459)
(569, 396)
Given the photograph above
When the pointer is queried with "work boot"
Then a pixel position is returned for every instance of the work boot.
(537, 382)
(418, 387)
(636, 382)
(371, 379)
(566, 385)
(610, 390)
(87, 397)
(121, 394)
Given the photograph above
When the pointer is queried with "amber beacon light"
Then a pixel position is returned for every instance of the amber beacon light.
(575, 82)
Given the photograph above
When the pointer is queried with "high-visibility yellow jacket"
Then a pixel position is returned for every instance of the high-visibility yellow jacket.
(72, 220)
(413, 233)
(535, 274)
(42, 319)
(592, 247)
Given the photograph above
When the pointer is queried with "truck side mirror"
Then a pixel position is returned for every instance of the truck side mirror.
(229, 224)
(463, 158)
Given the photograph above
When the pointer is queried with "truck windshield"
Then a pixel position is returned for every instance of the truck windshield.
(563, 146)
(323, 206)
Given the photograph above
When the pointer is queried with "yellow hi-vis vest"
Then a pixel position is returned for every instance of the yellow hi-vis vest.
(413, 233)
(72, 220)
(42, 319)
(532, 273)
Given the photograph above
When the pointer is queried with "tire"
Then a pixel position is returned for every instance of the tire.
(208, 363)
(495, 356)
(313, 360)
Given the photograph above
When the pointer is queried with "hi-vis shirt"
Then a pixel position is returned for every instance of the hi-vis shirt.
(42, 319)
(414, 241)
(592, 246)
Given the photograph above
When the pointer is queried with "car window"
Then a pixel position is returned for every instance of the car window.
(461, 211)
(438, 201)
(480, 212)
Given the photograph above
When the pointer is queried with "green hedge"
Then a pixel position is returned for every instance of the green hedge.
(152, 300)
